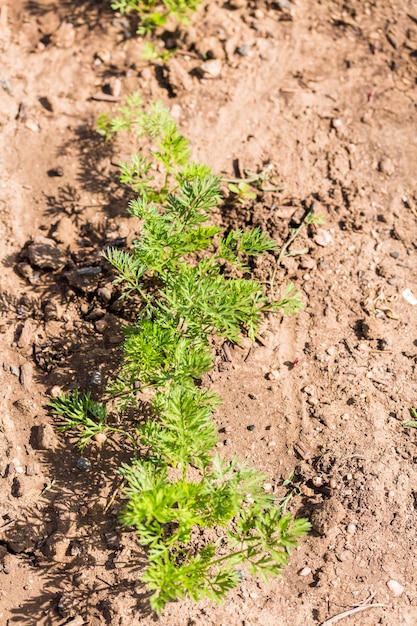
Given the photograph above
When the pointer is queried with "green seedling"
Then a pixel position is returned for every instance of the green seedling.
(242, 191)
(412, 423)
(157, 170)
(150, 53)
(155, 13)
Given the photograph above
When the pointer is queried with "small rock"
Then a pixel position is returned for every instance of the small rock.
(32, 469)
(408, 295)
(100, 438)
(395, 254)
(317, 481)
(27, 272)
(287, 9)
(26, 334)
(112, 540)
(351, 529)
(242, 50)
(211, 68)
(104, 293)
(272, 375)
(101, 326)
(44, 253)
(104, 55)
(305, 571)
(309, 390)
(43, 437)
(251, 427)
(56, 172)
(14, 370)
(386, 166)
(96, 377)
(26, 375)
(396, 589)
(64, 37)
(322, 237)
(56, 391)
(327, 515)
(84, 465)
(179, 79)
(146, 74)
(32, 125)
(95, 315)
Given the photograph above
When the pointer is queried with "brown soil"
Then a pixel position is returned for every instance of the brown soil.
(324, 96)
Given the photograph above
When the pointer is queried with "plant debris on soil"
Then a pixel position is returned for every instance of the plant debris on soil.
(323, 96)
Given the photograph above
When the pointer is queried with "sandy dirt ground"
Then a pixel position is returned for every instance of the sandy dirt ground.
(323, 94)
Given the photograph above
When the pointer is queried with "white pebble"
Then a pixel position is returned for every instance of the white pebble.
(309, 390)
(395, 587)
(351, 529)
(322, 237)
(305, 571)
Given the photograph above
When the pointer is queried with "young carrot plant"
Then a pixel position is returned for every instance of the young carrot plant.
(179, 491)
(155, 13)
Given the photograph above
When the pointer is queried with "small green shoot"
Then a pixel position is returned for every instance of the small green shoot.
(411, 423)
(242, 191)
(155, 13)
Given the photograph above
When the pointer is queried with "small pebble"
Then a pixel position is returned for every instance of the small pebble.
(84, 465)
(242, 50)
(104, 55)
(309, 390)
(351, 529)
(395, 587)
(56, 391)
(317, 481)
(305, 571)
(312, 401)
(408, 295)
(104, 293)
(322, 237)
(394, 254)
(211, 68)
(146, 73)
(272, 375)
(100, 438)
(56, 172)
(251, 427)
(101, 326)
(96, 378)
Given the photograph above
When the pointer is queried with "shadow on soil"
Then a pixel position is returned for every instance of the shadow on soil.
(72, 537)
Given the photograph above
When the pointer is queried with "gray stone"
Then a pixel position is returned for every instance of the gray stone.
(44, 253)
